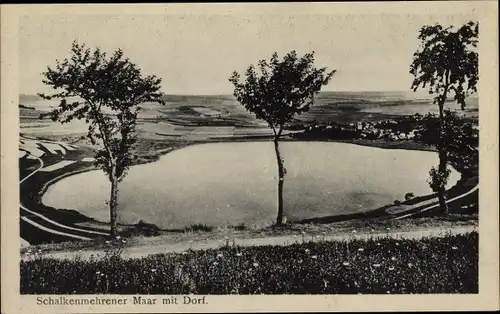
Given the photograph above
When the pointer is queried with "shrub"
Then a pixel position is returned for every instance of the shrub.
(240, 227)
(142, 228)
(409, 196)
(199, 227)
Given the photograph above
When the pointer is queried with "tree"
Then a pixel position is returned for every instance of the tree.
(281, 89)
(106, 93)
(461, 138)
(446, 62)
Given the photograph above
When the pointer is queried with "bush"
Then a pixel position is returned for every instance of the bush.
(240, 227)
(409, 196)
(199, 227)
(435, 265)
(141, 229)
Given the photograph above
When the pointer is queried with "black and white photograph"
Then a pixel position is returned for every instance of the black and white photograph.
(189, 155)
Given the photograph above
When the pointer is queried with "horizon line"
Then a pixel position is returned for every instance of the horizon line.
(325, 91)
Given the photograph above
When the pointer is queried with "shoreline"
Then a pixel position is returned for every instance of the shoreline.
(146, 158)
(150, 158)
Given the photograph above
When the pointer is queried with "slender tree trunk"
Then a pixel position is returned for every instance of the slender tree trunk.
(113, 215)
(442, 161)
(442, 189)
(281, 180)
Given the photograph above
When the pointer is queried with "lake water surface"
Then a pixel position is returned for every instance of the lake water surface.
(221, 184)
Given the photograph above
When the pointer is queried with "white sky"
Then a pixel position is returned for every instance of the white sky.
(196, 54)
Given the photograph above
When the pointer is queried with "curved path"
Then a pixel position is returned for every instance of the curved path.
(46, 225)
(412, 212)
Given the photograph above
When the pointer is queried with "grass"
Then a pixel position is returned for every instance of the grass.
(376, 266)
(201, 233)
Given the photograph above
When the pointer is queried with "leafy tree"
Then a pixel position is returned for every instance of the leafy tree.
(446, 62)
(461, 138)
(106, 92)
(276, 92)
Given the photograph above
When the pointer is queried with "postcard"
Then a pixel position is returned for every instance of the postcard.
(249, 157)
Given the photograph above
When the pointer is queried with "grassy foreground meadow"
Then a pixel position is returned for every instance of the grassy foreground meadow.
(390, 266)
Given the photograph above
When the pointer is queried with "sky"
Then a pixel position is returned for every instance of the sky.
(195, 54)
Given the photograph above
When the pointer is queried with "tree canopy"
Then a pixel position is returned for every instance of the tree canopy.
(460, 135)
(279, 89)
(106, 93)
(446, 61)
(276, 92)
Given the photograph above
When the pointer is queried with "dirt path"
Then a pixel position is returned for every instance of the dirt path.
(157, 248)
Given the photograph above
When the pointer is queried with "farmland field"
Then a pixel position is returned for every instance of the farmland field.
(223, 112)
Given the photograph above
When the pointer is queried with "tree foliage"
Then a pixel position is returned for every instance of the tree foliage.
(277, 90)
(447, 61)
(437, 178)
(460, 135)
(107, 92)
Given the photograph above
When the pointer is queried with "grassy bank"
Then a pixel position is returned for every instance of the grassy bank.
(433, 265)
(312, 232)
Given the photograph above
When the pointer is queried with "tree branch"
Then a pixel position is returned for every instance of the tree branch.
(273, 128)
(105, 139)
(280, 130)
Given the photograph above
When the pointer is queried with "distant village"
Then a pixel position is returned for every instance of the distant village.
(380, 130)
(403, 128)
